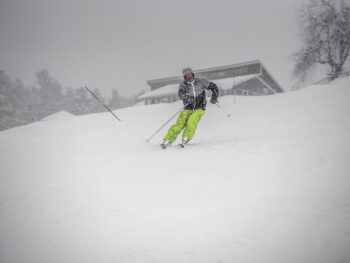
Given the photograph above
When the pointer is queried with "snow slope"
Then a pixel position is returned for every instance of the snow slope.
(269, 184)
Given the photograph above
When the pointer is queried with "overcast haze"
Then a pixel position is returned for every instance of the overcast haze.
(109, 44)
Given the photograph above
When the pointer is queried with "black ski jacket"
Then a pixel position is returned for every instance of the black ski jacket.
(193, 93)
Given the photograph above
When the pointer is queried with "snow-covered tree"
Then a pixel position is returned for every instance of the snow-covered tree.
(115, 101)
(325, 34)
(13, 102)
(80, 102)
(95, 105)
(51, 94)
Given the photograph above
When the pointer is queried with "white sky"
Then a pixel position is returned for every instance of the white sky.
(109, 44)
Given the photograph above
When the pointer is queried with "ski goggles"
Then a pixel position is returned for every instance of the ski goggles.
(188, 76)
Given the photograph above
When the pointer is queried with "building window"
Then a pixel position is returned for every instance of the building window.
(245, 92)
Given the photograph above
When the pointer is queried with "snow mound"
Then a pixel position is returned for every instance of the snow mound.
(59, 116)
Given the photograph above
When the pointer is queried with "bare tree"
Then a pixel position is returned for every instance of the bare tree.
(325, 33)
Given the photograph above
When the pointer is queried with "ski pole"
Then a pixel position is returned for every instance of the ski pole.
(228, 114)
(103, 104)
(166, 123)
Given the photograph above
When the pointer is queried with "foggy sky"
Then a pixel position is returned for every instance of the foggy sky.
(109, 44)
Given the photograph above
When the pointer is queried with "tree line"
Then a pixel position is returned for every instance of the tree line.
(20, 104)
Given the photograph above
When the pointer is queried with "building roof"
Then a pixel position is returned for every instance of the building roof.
(172, 89)
(224, 72)
(203, 72)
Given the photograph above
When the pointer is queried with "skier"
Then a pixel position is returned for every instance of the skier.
(192, 92)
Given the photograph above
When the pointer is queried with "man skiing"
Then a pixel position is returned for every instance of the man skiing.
(192, 92)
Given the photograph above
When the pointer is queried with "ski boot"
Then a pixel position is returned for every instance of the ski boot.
(165, 144)
(184, 142)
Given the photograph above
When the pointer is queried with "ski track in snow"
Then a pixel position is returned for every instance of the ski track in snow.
(269, 184)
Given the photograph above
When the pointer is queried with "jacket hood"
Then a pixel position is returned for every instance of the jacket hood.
(187, 71)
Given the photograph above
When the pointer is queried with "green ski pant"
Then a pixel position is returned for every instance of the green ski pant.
(187, 120)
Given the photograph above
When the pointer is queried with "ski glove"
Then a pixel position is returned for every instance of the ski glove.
(214, 101)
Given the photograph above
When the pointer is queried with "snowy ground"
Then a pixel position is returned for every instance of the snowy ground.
(269, 184)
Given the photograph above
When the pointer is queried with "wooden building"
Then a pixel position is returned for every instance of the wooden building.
(247, 79)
